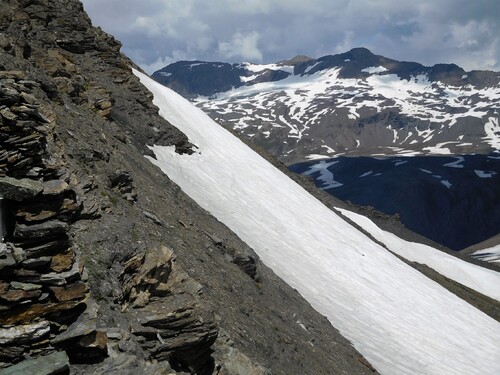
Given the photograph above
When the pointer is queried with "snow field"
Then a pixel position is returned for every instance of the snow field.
(480, 279)
(401, 321)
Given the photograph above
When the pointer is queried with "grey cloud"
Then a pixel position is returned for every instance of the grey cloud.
(157, 32)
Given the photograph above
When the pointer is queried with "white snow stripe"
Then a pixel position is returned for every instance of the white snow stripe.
(480, 279)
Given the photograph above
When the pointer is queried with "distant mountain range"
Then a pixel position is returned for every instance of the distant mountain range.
(354, 103)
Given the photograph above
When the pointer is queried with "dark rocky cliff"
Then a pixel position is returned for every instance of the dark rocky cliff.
(107, 266)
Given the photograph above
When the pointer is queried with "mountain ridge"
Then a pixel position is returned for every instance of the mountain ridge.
(361, 57)
(354, 103)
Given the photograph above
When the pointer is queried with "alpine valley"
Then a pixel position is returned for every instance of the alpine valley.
(421, 142)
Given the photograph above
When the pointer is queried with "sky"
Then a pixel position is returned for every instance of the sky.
(156, 33)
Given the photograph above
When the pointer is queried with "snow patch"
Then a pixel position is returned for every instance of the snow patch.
(484, 174)
(492, 130)
(316, 157)
(480, 279)
(375, 70)
(446, 183)
(456, 163)
(324, 174)
(491, 254)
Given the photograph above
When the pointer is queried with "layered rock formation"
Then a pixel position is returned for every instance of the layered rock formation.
(107, 266)
(43, 286)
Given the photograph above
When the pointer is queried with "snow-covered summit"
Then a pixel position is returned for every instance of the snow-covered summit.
(354, 103)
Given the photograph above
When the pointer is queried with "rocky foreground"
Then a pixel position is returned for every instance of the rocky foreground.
(106, 265)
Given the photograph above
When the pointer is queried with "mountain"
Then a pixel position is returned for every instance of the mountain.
(140, 243)
(354, 103)
(389, 311)
(355, 106)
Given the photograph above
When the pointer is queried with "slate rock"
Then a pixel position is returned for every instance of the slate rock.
(23, 314)
(62, 261)
(46, 248)
(6, 260)
(24, 333)
(55, 187)
(25, 286)
(18, 295)
(43, 230)
(36, 263)
(70, 292)
(52, 364)
(91, 348)
(83, 326)
(19, 189)
(152, 217)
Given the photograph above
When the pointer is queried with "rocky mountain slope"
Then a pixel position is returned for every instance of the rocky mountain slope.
(106, 265)
(354, 103)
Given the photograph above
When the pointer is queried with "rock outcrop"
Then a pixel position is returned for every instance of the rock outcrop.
(107, 267)
(43, 287)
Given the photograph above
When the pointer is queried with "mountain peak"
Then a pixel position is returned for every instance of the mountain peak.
(360, 52)
(299, 59)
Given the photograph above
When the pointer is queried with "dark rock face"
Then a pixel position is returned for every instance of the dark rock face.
(200, 78)
(104, 257)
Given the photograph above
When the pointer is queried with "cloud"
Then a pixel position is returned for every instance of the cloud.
(244, 46)
(427, 31)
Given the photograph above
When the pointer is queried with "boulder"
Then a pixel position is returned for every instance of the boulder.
(43, 230)
(24, 333)
(52, 364)
(19, 189)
